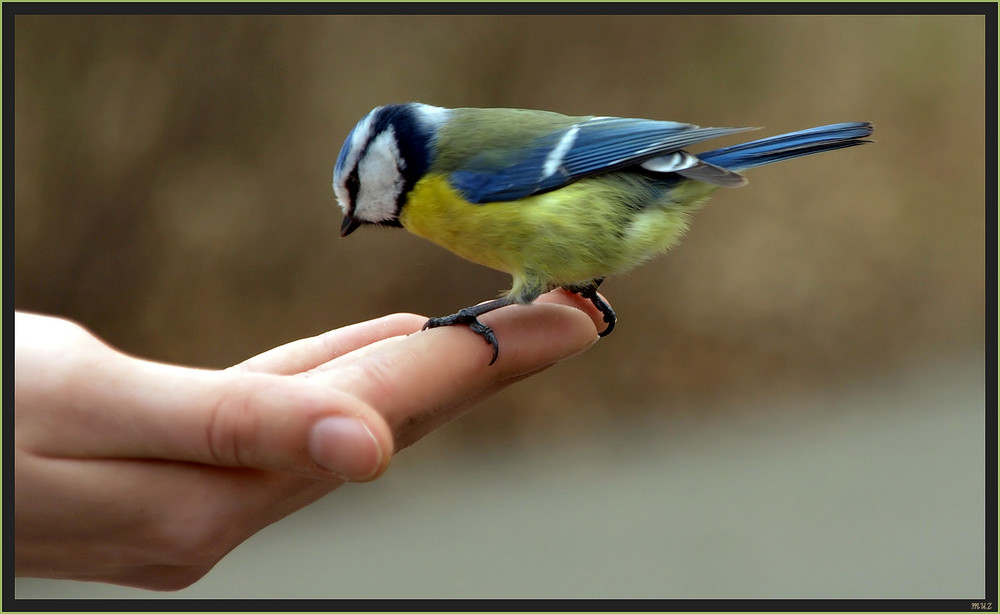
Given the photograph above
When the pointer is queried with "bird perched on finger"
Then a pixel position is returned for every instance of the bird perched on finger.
(554, 200)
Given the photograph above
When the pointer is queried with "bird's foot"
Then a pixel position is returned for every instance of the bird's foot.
(590, 292)
(467, 316)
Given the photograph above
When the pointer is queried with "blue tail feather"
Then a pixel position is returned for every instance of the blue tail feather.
(787, 146)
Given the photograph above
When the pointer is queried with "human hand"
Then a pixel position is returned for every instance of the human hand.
(145, 474)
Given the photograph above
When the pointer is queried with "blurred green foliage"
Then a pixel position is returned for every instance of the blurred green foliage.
(172, 192)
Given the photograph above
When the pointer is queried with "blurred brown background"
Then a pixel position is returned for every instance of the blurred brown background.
(172, 193)
(172, 180)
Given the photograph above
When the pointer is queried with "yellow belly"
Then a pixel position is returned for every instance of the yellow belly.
(584, 231)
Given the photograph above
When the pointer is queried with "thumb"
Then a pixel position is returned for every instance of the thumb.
(224, 418)
(289, 423)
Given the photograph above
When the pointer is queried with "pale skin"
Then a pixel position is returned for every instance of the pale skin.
(146, 474)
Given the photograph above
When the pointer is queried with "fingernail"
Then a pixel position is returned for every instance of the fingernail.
(346, 447)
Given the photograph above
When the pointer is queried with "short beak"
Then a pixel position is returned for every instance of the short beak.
(349, 225)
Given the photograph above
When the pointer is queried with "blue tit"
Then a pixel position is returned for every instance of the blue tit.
(556, 201)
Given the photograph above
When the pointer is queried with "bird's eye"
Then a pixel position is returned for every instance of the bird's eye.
(352, 183)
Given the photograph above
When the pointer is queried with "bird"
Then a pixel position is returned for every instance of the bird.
(556, 201)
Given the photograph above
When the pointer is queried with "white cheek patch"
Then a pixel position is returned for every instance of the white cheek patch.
(381, 179)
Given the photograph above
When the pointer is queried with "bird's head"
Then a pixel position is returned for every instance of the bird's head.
(384, 156)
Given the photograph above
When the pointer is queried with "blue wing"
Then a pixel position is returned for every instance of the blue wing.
(593, 146)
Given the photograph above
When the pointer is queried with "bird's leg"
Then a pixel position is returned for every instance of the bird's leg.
(589, 291)
(469, 317)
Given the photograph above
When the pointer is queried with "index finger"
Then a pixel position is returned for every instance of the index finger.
(418, 377)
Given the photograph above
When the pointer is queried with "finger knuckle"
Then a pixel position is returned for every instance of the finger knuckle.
(230, 427)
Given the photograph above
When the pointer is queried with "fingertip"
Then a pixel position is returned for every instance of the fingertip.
(354, 336)
(571, 328)
(404, 322)
(561, 296)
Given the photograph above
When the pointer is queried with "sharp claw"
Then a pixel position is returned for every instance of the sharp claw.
(474, 325)
(611, 320)
(590, 292)
(487, 334)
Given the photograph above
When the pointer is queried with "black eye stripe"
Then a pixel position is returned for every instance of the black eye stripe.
(353, 185)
